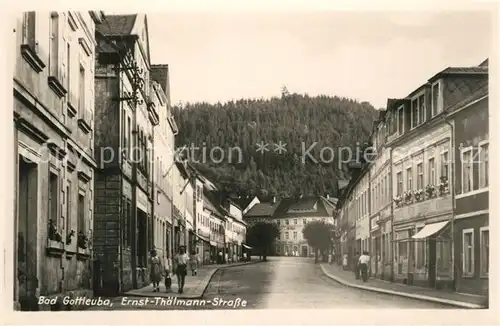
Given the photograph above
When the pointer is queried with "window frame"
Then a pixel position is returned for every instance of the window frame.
(420, 175)
(445, 163)
(483, 174)
(420, 119)
(57, 219)
(431, 177)
(399, 191)
(439, 101)
(409, 178)
(464, 271)
(463, 151)
(482, 230)
(401, 124)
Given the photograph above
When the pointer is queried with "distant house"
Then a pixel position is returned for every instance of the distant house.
(246, 203)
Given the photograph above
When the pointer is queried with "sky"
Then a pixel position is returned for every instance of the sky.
(368, 56)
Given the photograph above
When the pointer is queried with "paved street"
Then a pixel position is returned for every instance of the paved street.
(284, 283)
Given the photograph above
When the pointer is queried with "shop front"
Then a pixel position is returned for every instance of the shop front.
(144, 237)
(203, 246)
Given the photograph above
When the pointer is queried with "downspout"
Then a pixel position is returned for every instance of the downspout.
(451, 184)
(392, 214)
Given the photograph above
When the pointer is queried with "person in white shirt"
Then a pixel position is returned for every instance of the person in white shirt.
(364, 259)
(181, 271)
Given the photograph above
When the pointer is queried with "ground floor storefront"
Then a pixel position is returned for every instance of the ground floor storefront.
(472, 239)
(290, 248)
(423, 254)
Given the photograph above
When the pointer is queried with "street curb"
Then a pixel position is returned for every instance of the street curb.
(453, 303)
(223, 267)
(209, 276)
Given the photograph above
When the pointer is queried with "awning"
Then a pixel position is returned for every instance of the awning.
(430, 229)
(245, 246)
(199, 236)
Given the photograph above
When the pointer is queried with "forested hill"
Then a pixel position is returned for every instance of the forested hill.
(294, 119)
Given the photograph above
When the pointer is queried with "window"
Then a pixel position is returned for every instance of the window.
(467, 176)
(287, 222)
(483, 165)
(409, 179)
(420, 176)
(81, 90)
(129, 135)
(295, 235)
(295, 221)
(68, 208)
(278, 222)
(436, 96)
(53, 198)
(29, 27)
(418, 111)
(81, 213)
(401, 122)
(399, 183)
(485, 251)
(68, 67)
(304, 221)
(468, 252)
(286, 235)
(432, 172)
(54, 63)
(445, 165)
(420, 252)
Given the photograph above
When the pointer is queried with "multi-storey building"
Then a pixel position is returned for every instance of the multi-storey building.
(54, 153)
(164, 135)
(424, 149)
(201, 220)
(361, 212)
(292, 215)
(125, 117)
(471, 223)
(182, 182)
(217, 221)
(380, 205)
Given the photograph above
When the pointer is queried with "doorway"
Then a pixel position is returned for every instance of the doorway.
(432, 262)
(304, 251)
(26, 253)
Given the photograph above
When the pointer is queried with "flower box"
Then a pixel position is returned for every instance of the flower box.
(55, 248)
(83, 254)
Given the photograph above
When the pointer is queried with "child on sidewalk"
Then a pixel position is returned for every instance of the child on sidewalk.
(168, 278)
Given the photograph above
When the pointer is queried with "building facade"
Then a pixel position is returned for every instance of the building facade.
(471, 223)
(292, 215)
(125, 118)
(54, 154)
(429, 186)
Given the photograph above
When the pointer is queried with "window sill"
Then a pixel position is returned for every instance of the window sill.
(55, 248)
(70, 253)
(84, 125)
(467, 275)
(57, 86)
(484, 277)
(30, 55)
(472, 192)
(83, 254)
(71, 109)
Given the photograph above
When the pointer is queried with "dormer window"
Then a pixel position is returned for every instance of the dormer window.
(401, 121)
(437, 98)
(417, 110)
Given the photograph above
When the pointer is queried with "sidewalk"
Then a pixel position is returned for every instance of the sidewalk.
(336, 273)
(194, 285)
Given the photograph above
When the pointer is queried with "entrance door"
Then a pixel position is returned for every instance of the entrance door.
(26, 258)
(432, 262)
(304, 251)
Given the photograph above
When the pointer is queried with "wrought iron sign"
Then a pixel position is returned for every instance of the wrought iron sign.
(136, 76)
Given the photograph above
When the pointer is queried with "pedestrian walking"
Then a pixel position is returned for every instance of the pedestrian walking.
(363, 265)
(356, 265)
(344, 262)
(155, 270)
(181, 270)
(168, 279)
(221, 258)
(226, 257)
(194, 261)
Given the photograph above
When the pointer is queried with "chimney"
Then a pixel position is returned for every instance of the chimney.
(159, 73)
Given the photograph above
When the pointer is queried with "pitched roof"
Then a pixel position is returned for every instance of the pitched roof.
(481, 92)
(242, 202)
(303, 207)
(115, 25)
(261, 210)
(460, 71)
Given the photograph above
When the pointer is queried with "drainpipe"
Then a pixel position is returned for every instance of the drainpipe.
(451, 184)
(392, 214)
